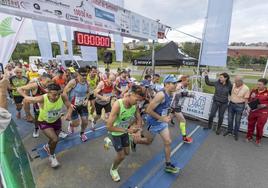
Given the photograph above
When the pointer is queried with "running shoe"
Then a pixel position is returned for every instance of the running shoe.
(83, 137)
(63, 134)
(53, 161)
(170, 168)
(114, 174)
(46, 148)
(187, 140)
(70, 128)
(36, 133)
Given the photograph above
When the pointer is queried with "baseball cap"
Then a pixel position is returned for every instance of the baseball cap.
(33, 67)
(170, 79)
(42, 71)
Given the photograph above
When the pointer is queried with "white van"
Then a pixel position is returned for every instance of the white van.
(74, 61)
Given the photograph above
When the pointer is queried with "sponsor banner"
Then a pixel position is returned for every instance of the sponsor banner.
(161, 34)
(10, 29)
(96, 15)
(216, 33)
(200, 106)
(43, 39)
(142, 27)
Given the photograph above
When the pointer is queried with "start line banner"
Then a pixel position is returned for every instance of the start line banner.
(200, 106)
(95, 15)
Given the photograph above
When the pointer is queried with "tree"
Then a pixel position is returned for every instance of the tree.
(191, 48)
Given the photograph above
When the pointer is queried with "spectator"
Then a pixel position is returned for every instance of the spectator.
(223, 88)
(239, 97)
(258, 116)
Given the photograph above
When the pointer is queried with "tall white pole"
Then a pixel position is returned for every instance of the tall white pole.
(153, 59)
(265, 70)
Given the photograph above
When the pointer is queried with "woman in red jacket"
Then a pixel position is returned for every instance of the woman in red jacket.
(258, 114)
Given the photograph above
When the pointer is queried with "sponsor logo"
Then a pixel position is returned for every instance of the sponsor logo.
(99, 24)
(197, 105)
(5, 27)
(10, 3)
(72, 17)
(55, 12)
(82, 13)
(36, 6)
(56, 3)
(58, 12)
(26, 5)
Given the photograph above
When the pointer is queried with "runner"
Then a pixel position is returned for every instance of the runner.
(37, 88)
(122, 84)
(78, 92)
(60, 79)
(49, 119)
(176, 106)
(17, 81)
(33, 72)
(93, 80)
(4, 85)
(159, 118)
(104, 93)
(124, 114)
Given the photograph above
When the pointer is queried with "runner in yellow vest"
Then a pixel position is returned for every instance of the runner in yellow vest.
(49, 119)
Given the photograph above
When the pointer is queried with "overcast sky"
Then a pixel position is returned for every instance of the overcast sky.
(249, 19)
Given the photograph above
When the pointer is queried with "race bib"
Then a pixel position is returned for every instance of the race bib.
(53, 115)
(164, 112)
(79, 101)
(108, 94)
(125, 124)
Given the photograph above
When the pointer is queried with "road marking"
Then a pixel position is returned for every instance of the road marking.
(157, 167)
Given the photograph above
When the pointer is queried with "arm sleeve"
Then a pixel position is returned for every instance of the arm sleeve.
(209, 83)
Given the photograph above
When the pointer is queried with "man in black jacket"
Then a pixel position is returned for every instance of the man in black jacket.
(223, 88)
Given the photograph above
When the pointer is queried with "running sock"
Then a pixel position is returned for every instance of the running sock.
(168, 163)
(183, 128)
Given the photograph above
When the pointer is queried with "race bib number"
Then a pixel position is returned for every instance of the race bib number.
(79, 101)
(164, 112)
(107, 94)
(53, 115)
(127, 123)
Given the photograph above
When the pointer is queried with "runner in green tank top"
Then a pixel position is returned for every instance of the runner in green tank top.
(49, 118)
(124, 119)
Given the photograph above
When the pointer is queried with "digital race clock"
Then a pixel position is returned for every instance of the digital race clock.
(88, 39)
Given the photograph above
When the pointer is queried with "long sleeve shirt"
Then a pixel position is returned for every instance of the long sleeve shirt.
(222, 92)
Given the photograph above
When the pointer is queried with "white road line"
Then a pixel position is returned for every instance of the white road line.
(157, 167)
